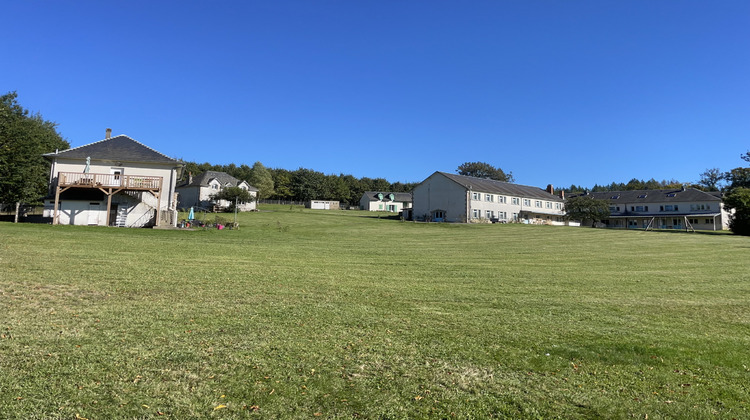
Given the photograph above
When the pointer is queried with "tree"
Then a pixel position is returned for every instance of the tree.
(233, 195)
(710, 179)
(484, 170)
(24, 138)
(739, 201)
(261, 179)
(746, 156)
(586, 207)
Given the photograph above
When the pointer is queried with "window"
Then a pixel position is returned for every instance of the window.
(667, 207)
(501, 199)
(502, 215)
(515, 216)
(615, 197)
(526, 202)
(475, 196)
(489, 197)
(558, 206)
(438, 215)
(709, 221)
(643, 196)
(548, 204)
(538, 203)
(641, 208)
(515, 200)
(612, 209)
(490, 214)
(476, 213)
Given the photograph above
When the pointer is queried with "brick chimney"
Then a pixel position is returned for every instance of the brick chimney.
(109, 133)
(562, 194)
(190, 177)
(550, 189)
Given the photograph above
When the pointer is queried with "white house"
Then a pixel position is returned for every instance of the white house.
(457, 198)
(113, 182)
(385, 201)
(681, 208)
(197, 191)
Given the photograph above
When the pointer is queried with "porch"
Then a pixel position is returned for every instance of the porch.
(109, 184)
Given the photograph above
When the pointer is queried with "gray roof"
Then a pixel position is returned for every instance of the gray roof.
(202, 180)
(486, 185)
(119, 148)
(397, 196)
(656, 196)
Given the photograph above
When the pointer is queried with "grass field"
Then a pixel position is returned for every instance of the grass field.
(328, 314)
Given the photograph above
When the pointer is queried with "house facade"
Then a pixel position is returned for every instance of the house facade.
(394, 202)
(197, 191)
(113, 182)
(458, 198)
(683, 208)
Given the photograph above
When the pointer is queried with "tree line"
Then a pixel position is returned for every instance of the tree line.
(302, 184)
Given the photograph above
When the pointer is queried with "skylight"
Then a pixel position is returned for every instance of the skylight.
(643, 196)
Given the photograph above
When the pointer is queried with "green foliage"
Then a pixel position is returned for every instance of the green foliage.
(586, 207)
(738, 178)
(260, 178)
(24, 137)
(739, 201)
(710, 179)
(234, 195)
(305, 314)
(484, 170)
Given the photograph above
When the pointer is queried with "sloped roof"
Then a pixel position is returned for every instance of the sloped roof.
(397, 196)
(120, 148)
(656, 196)
(224, 178)
(486, 185)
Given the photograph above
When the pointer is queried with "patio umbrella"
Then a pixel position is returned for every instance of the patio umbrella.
(191, 215)
(87, 168)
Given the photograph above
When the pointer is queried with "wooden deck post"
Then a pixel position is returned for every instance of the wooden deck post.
(57, 200)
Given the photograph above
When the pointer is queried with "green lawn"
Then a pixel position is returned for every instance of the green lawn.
(327, 314)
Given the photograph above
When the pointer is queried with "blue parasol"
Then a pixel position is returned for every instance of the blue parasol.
(191, 215)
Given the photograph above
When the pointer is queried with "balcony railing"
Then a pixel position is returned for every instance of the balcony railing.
(90, 180)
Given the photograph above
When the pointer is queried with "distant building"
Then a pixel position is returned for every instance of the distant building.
(322, 205)
(683, 208)
(394, 202)
(197, 191)
(457, 198)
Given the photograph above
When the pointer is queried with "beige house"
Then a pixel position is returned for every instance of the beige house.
(683, 208)
(394, 202)
(457, 198)
(113, 182)
(197, 191)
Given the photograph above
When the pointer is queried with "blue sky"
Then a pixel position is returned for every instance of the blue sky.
(561, 92)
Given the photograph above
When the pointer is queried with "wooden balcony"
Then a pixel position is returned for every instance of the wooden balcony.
(120, 182)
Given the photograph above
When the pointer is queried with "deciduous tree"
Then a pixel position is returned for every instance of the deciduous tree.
(484, 170)
(261, 178)
(24, 137)
(586, 207)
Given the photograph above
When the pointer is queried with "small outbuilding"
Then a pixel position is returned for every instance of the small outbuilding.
(322, 205)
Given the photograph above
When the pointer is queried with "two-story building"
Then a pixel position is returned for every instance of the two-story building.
(198, 191)
(113, 182)
(394, 202)
(457, 198)
(683, 208)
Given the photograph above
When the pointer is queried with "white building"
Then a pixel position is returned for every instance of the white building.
(113, 182)
(197, 191)
(457, 198)
(394, 202)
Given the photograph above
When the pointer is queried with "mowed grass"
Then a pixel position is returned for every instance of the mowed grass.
(336, 314)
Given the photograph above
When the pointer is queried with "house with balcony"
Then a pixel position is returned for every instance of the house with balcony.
(394, 202)
(682, 209)
(457, 198)
(198, 191)
(117, 181)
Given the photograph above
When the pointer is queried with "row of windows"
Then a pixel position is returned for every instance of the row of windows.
(490, 214)
(666, 207)
(491, 198)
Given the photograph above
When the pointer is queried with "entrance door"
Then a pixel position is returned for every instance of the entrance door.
(116, 174)
(93, 218)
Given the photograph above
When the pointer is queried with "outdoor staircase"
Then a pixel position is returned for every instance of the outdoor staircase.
(122, 216)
